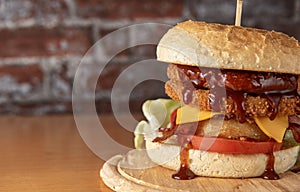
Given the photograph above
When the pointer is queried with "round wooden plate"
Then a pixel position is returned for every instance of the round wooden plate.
(135, 172)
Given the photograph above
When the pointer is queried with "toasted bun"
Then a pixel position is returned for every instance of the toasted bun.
(214, 164)
(229, 47)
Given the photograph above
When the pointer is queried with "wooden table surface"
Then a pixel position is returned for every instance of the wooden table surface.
(46, 153)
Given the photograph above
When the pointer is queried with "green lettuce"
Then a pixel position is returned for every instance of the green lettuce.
(288, 140)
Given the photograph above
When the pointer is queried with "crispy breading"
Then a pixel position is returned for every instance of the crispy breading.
(255, 106)
(231, 129)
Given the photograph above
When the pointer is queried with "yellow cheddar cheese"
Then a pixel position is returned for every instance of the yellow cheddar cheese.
(187, 114)
(275, 128)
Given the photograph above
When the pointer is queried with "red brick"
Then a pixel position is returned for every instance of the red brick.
(114, 40)
(109, 74)
(21, 80)
(61, 82)
(149, 89)
(146, 90)
(145, 36)
(120, 9)
(23, 74)
(38, 41)
(143, 52)
(50, 11)
(40, 10)
(16, 10)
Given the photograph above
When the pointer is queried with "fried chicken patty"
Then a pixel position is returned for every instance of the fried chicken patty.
(230, 129)
(255, 105)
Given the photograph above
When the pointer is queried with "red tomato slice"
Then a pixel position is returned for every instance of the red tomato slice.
(222, 145)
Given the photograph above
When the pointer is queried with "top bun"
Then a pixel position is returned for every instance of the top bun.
(229, 47)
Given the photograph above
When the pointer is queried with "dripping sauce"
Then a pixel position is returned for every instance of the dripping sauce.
(236, 89)
(269, 173)
(225, 83)
(184, 172)
(185, 140)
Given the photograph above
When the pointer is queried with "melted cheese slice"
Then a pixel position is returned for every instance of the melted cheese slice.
(187, 114)
(274, 129)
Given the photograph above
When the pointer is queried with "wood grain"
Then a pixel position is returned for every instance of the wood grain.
(47, 154)
(157, 178)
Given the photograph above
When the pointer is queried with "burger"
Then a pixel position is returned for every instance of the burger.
(234, 107)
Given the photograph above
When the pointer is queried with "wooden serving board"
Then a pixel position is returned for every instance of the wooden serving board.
(135, 172)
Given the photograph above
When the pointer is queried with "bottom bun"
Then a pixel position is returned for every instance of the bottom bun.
(213, 164)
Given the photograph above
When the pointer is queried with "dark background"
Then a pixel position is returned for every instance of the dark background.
(42, 43)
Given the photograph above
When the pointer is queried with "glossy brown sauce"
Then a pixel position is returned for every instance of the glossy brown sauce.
(237, 85)
(239, 105)
(273, 100)
(250, 81)
(269, 173)
(184, 172)
(187, 93)
(168, 132)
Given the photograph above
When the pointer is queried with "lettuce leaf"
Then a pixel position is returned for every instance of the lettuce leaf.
(157, 113)
(288, 140)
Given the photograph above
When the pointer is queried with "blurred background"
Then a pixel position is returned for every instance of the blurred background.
(42, 43)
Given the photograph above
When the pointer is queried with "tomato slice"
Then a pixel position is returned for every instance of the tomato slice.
(222, 145)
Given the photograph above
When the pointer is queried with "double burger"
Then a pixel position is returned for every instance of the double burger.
(234, 110)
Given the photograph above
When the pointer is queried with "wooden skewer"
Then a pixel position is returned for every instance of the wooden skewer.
(238, 13)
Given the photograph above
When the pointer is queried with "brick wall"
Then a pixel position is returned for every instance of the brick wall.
(43, 42)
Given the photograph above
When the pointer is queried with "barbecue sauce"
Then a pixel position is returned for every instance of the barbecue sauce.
(269, 173)
(273, 100)
(236, 89)
(239, 105)
(187, 93)
(184, 172)
(168, 132)
(237, 85)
